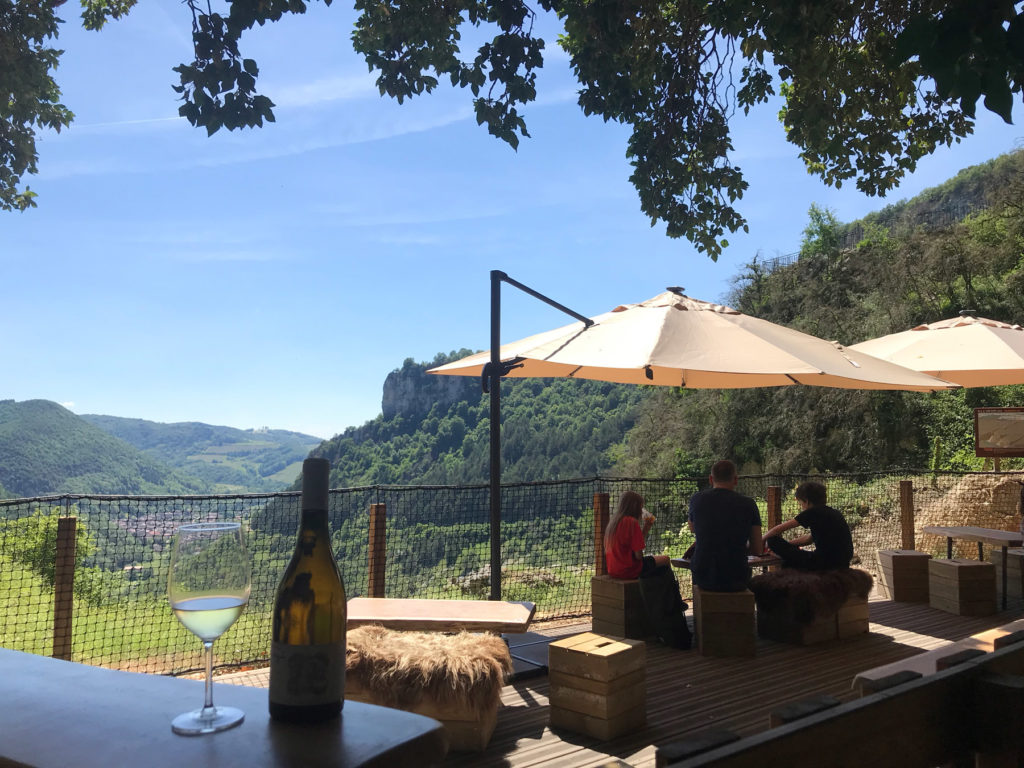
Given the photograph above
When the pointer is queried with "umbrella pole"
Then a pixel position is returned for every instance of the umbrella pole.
(493, 372)
(495, 433)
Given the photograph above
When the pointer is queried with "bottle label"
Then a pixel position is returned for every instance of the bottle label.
(302, 675)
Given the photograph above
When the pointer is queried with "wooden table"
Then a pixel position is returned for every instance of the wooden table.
(990, 536)
(754, 561)
(55, 714)
(441, 615)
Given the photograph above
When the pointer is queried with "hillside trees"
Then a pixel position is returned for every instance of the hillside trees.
(31, 541)
(885, 284)
(554, 428)
(44, 448)
(868, 87)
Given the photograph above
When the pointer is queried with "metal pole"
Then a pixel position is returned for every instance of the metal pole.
(495, 388)
(496, 371)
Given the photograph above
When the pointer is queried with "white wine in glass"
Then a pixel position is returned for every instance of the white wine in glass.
(208, 588)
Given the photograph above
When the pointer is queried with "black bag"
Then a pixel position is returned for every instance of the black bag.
(665, 607)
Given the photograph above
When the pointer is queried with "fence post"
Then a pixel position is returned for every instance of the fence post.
(774, 503)
(64, 587)
(907, 514)
(378, 552)
(600, 523)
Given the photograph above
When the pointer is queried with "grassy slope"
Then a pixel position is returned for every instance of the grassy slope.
(231, 460)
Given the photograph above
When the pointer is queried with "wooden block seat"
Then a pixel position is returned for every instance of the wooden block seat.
(598, 684)
(805, 607)
(1014, 569)
(904, 574)
(724, 622)
(617, 608)
(456, 679)
(963, 587)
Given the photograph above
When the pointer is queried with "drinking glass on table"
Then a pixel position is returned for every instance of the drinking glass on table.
(208, 588)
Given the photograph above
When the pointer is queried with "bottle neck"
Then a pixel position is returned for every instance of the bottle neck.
(313, 519)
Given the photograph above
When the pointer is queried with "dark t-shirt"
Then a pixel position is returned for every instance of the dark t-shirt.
(833, 545)
(722, 520)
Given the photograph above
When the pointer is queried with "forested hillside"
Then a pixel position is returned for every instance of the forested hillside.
(434, 429)
(887, 283)
(230, 460)
(46, 449)
(553, 428)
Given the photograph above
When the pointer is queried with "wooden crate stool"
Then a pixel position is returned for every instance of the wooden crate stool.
(780, 624)
(456, 679)
(1014, 570)
(724, 622)
(805, 608)
(963, 587)
(904, 574)
(618, 609)
(853, 617)
(598, 685)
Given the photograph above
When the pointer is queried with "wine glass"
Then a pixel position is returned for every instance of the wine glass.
(208, 587)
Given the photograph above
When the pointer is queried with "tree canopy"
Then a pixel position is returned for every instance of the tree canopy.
(868, 87)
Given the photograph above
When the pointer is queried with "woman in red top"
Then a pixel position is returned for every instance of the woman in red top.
(624, 539)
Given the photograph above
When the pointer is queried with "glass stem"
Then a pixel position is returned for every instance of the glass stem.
(208, 712)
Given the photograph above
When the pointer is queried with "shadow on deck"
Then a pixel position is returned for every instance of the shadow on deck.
(687, 692)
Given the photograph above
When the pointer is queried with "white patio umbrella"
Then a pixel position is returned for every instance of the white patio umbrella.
(972, 351)
(675, 340)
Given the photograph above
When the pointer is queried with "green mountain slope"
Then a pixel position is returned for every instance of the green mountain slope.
(230, 460)
(46, 449)
(438, 434)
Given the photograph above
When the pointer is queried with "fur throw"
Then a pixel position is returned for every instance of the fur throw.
(401, 668)
(809, 594)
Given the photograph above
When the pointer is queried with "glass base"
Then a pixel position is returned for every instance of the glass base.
(194, 724)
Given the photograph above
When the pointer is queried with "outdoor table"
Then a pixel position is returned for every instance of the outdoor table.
(754, 561)
(427, 615)
(990, 536)
(55, 714)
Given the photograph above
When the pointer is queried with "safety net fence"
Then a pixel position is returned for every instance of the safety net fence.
(436, 544)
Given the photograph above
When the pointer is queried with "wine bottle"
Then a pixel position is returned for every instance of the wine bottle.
(307, 652)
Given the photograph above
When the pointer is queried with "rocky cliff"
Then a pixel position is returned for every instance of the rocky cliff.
(410, 392)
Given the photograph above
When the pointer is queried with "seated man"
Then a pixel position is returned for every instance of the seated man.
(727, 527)
(829, 532)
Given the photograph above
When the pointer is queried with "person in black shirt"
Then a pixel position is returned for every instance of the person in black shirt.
(727, 527)
(829, 532)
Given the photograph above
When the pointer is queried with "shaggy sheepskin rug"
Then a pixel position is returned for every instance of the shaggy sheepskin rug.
(401, 668)
(809, 594)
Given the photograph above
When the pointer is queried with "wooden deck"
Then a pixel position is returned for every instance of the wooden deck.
(687, 692)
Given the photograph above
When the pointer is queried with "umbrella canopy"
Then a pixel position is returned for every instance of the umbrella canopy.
(674, 340)
(972, 351)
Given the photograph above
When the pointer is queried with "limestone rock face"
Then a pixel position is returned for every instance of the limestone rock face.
(411, 392)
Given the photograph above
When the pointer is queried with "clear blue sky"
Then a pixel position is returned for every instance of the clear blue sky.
(274, 277)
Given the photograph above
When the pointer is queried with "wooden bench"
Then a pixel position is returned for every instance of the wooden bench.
(929, 662)
(424, 615)
(966, 715)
